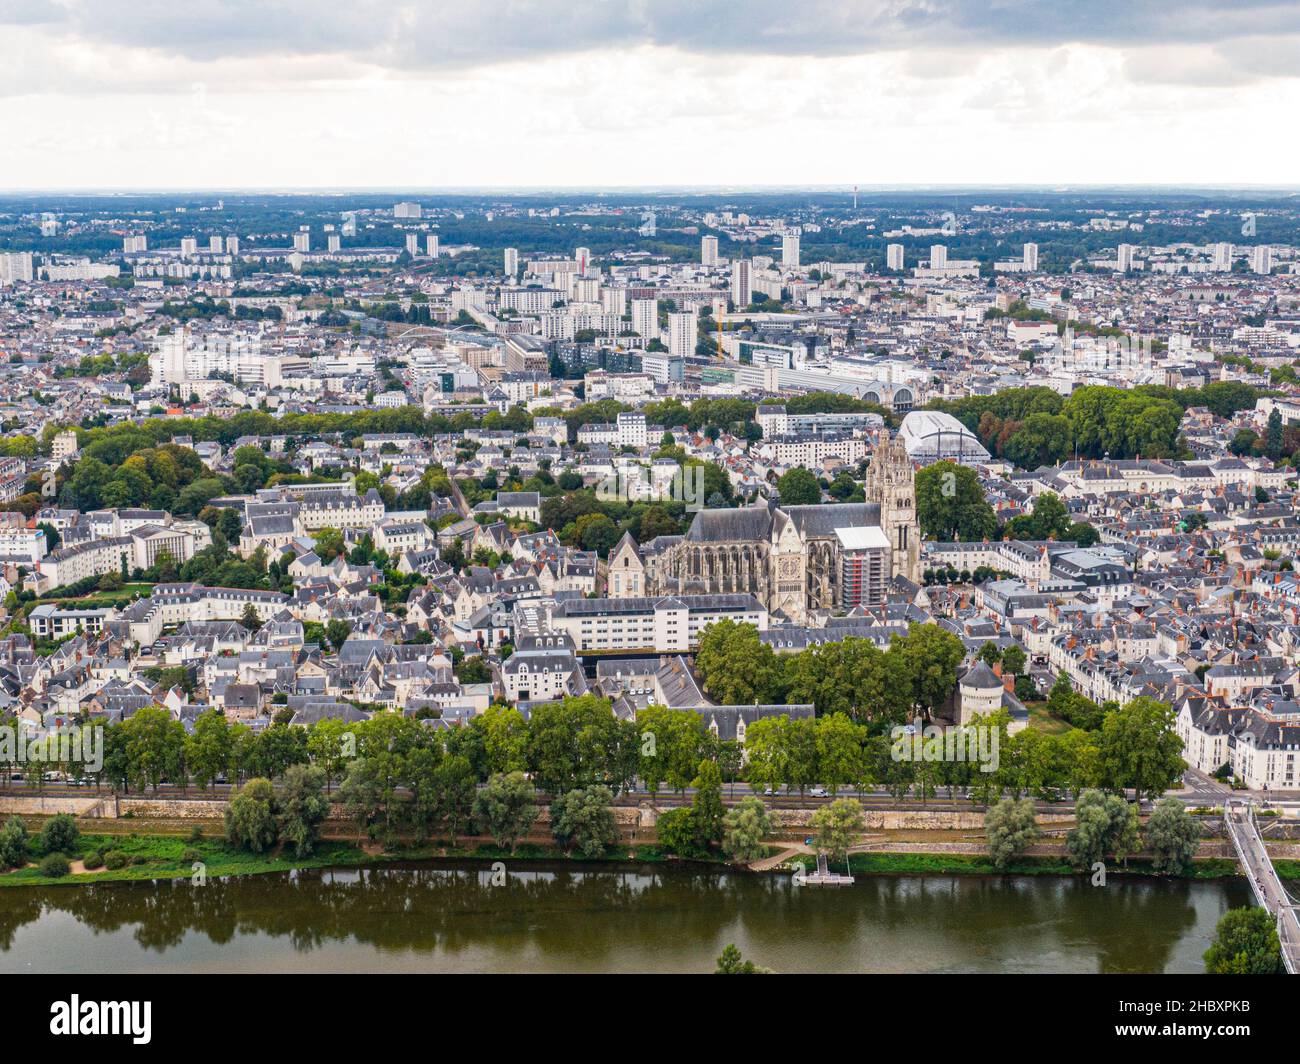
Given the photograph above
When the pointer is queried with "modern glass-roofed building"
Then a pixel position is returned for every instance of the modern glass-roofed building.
(933, 436)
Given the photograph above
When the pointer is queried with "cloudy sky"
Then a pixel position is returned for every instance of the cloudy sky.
(321, 93)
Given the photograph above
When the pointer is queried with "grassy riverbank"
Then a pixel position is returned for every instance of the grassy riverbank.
(173, 857)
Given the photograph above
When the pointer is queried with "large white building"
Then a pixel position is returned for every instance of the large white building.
(932, 436)
(790, 249)
(645, 318)
(665, 625)
(681, 333)
(740, 283)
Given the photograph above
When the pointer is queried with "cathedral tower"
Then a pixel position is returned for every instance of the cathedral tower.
(891, 482)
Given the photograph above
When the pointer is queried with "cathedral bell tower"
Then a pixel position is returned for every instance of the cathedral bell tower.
(891, 482)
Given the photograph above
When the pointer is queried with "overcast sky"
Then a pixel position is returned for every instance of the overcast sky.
(308, 93)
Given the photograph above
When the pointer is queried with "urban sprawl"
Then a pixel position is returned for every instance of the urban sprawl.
(536, 477)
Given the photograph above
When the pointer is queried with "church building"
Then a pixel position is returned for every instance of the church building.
(795, 559)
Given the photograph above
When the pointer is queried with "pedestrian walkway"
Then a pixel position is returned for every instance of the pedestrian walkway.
(1264, 880)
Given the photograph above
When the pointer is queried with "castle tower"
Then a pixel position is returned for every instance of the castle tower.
(891, 482)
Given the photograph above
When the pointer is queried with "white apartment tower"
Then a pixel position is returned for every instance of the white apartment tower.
(709, 251)
(412, 244)
(1124, 257)
(790, 249)
(894, 256)
(1031, 257)
(1261, 259)
(1223, 257)
(214, 244)
(406, 210)
(431, 245)
(583, 257)
(512, 262)
(302, 242)
(740, 283)
(16, 266)
(938, 256)
(232, 245)
(681, 333)
(645, 318)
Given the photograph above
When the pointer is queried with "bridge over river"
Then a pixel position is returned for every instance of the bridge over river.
(1264, 880)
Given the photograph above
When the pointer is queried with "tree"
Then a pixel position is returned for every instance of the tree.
(1048, 520)
(505, 738)
(931, 655)
(331, 743)
(670, 743)
(950, 504)
(1011, 829)
(419, 769)
(841, 752)
(706, 807)
(59, 834)
(1273, 444)
(1104, 823)
(1066, 704)
(1245, 943)
(337, 632)
(249, 618)
(1014, 660)
(209, 747)
(362, 795)
(737, 667)
(473, 670)
(329, 544)
(1140, 749)
(457, 785)
(744, 827)
(596, 532)
(1172, 835)
(798, 487)
(582, 818)
(730, 962)
(837, 825)
(655, 522)
(505, 808)
(676, 832)
(990, 654)
(569, 743)
(302, 807)
(250, 816)
(155, 747)
(13, 843)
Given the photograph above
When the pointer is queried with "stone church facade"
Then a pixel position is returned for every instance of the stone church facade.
(791, 558)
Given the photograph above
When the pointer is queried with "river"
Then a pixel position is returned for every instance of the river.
(551, 918)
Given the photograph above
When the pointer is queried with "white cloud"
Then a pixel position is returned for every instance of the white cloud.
(647, 92)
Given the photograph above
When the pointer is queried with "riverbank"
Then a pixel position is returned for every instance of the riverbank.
(152, 857)
(173, 857)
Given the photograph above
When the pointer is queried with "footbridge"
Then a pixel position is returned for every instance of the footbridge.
(1243, 830)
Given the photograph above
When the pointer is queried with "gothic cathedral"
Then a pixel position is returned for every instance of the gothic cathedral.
(891, 483)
